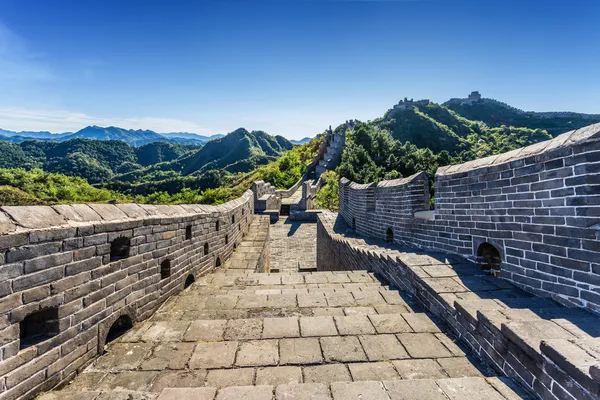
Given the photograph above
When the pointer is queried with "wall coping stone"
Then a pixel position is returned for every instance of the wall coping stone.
(579, 136)
(538, 328)
(18, 219)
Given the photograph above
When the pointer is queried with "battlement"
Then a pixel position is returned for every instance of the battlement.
(73, 274)
(537, 207)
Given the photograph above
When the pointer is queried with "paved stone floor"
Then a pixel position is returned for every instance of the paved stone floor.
(240, 335)
(294, 198)
(245, 335)
(248, 252)
(293, 245)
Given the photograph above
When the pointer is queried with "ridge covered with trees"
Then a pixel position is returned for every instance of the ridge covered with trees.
(423, 137)
(33, 186)
(410, 137)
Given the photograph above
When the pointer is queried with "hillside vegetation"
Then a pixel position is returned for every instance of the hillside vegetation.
(94, 160)
(495, 114)
(151, 168)
(208, 167)
(410, 137)
(422, 138)
(36, 187)
(19, 186)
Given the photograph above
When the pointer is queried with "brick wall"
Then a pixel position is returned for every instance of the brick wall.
(539, 206)
(466, 314)
(59, 259)
(265, 197)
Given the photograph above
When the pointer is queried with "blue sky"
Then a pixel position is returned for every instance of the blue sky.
(286, 67)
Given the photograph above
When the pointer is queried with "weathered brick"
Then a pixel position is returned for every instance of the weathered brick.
(10, 271)
(38, 278)
(46, 262)
(31, 251)
(82, 266)
(32, 367)
(94, 240)
(52, 234)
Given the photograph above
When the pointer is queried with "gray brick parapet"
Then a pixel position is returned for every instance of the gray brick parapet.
(552, 350)
(538, 206)
(71, 271)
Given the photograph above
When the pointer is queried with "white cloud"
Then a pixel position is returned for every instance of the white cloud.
(19, 119)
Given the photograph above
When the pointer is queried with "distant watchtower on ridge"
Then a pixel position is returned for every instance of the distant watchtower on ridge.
(474, 96)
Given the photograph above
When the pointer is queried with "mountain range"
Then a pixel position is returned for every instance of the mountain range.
(301, 141)
(154, 166)
(411, 136)
(130, 136)
(496, 113)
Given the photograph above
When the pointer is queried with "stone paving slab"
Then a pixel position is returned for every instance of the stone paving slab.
(281, 328)
(372, 371)
(382, 347)
(292, 245)
(246, 393)
(414, 390)
(223, 334)
(213, 355)
(278, 375)
(258, 353)
(390, 323)
(318, 326)
(188, 393)
(230, 377)
(307, 391)
(342, 349)
(177, 379)
(419, 369)
(423, 345)
(354, 325)
(300, 351)
(358, 391)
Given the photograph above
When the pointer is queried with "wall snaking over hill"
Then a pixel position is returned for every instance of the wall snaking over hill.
(538, 207)
(71, 275)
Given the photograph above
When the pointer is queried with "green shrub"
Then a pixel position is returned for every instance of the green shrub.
(328, 197)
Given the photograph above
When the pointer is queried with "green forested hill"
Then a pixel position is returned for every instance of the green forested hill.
(495, 113)
(94, 160)
(438, 128)
(422, 136)
(154, 167)
(19, 186)
(207, 167)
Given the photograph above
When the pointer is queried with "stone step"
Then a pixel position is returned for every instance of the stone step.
(253, 327)
(302, 303)
(248, 278)
(272, 385)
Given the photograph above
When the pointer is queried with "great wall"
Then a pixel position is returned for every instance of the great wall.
(493, 294)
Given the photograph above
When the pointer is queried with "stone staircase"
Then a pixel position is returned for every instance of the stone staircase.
(238, 334)
(333, 155)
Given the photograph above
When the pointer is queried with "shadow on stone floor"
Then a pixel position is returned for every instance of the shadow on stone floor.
(453, 275)
(295, 225)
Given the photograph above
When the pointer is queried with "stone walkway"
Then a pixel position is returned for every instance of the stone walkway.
(240, 335)
(294, 198)
(293, 245)
(248, 253)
